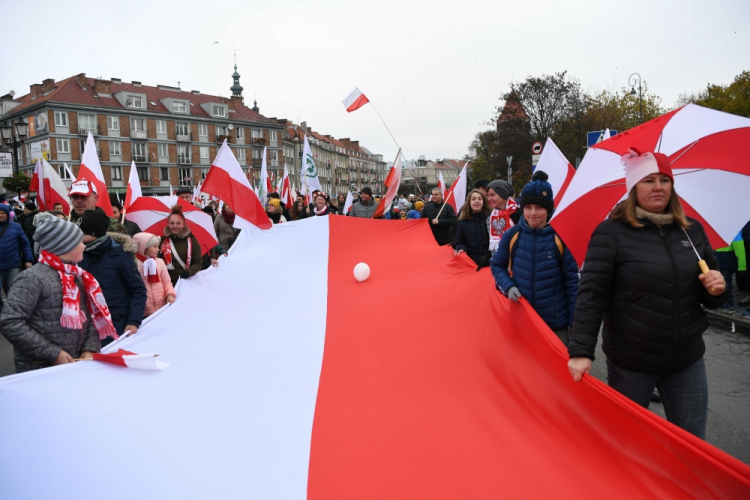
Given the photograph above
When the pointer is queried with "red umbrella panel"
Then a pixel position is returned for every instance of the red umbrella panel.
(710, 155)
(151, 213)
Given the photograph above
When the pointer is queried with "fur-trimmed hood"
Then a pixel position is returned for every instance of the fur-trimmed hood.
(125, 241)
(182, 234)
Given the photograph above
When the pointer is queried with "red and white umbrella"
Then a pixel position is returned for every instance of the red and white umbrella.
(710, 156)
(151, 213)
(558, 169)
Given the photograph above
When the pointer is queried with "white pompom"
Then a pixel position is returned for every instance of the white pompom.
(361, 271)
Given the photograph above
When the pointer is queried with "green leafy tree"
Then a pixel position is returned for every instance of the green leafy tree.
(733, 98)
(17, 182)
(484, 155)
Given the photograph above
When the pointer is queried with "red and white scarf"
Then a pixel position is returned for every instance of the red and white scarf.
(500, 222)
(149, 268)
(321, 211)
(72, 316)
(168, 249)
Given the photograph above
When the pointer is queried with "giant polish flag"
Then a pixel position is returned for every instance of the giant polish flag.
(458, 190)
(392, 182)
(91, 169)
(226, 181)
(477, 406)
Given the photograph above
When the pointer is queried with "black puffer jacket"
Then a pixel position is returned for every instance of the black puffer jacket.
(472, 237)
(644, 283)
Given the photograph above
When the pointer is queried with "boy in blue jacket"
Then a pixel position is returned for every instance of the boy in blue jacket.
(533, 263)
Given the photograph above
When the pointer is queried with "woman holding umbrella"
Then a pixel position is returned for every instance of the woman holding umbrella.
(180, 249)
(642, 278)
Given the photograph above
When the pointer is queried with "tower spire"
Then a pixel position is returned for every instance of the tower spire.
(236, 88)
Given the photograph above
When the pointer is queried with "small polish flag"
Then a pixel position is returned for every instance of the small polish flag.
(458, 188)
(132, 360)
(441, 184)
(355, 100)
(91, 169)
(134, 187)
(348, 203)
(392, 181)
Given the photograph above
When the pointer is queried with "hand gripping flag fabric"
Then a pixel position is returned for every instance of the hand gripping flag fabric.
(355, 100)
(91, 169)
(328, 404)
(226, 181)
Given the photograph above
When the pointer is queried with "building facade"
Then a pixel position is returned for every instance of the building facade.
(170, 134)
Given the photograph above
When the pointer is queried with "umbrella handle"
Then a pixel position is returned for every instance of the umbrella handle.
(704, 269)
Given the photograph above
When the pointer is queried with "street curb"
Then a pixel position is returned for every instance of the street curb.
(730, 320)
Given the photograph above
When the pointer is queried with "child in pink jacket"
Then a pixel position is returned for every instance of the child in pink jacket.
(153, 270)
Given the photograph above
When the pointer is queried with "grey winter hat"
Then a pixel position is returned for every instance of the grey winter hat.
(56, 235)
(502, 188)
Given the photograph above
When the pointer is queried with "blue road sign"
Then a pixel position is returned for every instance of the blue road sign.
(596, 137)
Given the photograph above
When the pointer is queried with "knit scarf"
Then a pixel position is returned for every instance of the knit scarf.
(658, 219)
(72, 316)
(149, 268)
(168, 247)
(320, 212)
(229, 219)
(500, 222)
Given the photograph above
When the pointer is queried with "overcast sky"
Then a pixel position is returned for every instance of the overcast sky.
(434, 69)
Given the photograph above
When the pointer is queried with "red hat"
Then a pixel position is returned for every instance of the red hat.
(639, 165)
(83, 187)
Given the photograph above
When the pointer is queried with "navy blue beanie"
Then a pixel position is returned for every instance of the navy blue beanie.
(538, 192)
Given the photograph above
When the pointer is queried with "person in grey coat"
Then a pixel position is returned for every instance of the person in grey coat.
(366, 205)
(32, 317)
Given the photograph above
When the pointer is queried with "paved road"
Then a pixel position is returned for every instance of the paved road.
(728, 365)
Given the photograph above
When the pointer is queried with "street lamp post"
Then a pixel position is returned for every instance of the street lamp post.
(9, 137)
(632, 81)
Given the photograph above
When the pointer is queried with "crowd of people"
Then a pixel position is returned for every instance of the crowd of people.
(93, 278)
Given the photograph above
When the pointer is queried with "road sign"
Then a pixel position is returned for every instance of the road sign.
(537, 148)
(509, 158)
(596, 137)
(535, 160)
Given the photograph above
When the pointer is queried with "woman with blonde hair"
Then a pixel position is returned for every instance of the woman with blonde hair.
(642, 279)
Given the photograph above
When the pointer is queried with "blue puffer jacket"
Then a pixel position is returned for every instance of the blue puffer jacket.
(12, 241)
(115, 269)
(550, 288)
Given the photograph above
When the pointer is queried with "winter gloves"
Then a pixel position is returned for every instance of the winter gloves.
(514, 294)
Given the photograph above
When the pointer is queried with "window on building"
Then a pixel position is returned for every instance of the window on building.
(139, 151)
(204, 151)
(240, 154)
(116, 173)
(240, 133)
(181, 128)
(113, 123)
(114, 148)
(221, 130)
(186, 176)
(257, 133)
(64, 175)
(163, 152)
(161, 127)
(87, 123)
(183, 154)
(179, 107)
(204, 173)
(138, 124)
(219, 111)
(272, 136)
(203, 130)
(61, 118)
(273, 158)
(63, 146)
(163, 174)
(257, 156)
(142, 173)
(135, 101)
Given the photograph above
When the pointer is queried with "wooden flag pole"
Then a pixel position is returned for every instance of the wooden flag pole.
(445, 202)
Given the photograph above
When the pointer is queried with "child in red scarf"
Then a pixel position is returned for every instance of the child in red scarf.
(55, 310)
(153, 270)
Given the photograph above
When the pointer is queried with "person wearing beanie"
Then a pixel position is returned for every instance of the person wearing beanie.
(505, 213)
(419, 207)
(532, 262)
(153, 271)
(131, 227)
(13, 244)
(642, 280)
(273, 210)
(110, 258)
(441, 217)
(179, 248)
(54, 312)
(365, 207)
(185, 193)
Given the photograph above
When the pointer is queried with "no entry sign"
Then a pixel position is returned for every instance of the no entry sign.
(536, 148)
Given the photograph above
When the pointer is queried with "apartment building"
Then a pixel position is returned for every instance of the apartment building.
(425, 173)
(171, 134)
